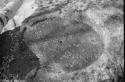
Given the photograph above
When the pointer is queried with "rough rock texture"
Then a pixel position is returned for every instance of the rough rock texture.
(75, 40)
(63, 43)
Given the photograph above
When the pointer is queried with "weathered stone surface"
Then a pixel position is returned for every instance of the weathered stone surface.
(106, 16)
(72, 44)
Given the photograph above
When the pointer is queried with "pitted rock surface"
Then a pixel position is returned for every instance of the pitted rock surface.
(74, 45)
(57, 45)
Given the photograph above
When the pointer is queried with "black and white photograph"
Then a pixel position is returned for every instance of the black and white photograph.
(61, 40)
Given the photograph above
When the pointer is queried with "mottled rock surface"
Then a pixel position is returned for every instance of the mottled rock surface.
(74, 40)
